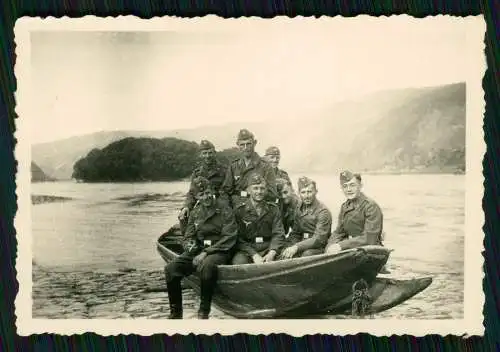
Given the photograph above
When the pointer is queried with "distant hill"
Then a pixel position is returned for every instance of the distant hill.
(59, 157)
(426, 132)
(407, 130)
(404, 131)
(37, 174)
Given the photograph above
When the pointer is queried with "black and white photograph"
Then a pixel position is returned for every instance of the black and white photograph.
(246, 170)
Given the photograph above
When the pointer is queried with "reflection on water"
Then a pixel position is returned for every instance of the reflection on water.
(112, 226)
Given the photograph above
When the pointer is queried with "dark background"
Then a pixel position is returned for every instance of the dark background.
(11, 10)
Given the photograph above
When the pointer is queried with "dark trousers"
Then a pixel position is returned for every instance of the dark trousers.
(241, 258)
(183, 266)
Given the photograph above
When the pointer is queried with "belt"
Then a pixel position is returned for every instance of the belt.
(207, 243)
(306, 235)
(244, 194)
(260, 240)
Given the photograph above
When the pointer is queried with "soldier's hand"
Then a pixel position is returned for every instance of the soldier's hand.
(199, 259)
(183, 213)
(257, 259)
(269, 257)
(290, 252)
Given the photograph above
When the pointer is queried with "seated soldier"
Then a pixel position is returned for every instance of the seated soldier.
(210, 237)
(360, 220)
(288, 202)
(312, 223)
(261, 235)
(273, 157)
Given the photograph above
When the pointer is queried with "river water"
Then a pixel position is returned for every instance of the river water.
(115, 226)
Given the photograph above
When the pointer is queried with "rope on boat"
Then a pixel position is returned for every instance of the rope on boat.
(361, 299)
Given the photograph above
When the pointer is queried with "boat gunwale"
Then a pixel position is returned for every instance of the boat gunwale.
(298, 261)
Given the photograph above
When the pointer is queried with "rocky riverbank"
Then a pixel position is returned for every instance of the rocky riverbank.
(40, 199)
(122, 294)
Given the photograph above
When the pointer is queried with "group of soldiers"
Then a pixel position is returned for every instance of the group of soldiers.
(248, 212)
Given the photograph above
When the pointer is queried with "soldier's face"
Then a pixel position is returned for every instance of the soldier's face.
(286, 194)
(274, 160)
(352, 188)
(257, 192)
(246, 146)
(207, 156)
(206, 197)
(308, 194)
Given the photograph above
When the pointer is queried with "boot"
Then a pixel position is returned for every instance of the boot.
(206, 299)
(202, 315)
(175, 298)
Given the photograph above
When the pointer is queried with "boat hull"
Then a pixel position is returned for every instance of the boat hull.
(287, 288)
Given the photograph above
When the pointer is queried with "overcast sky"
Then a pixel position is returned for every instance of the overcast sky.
(85, 82)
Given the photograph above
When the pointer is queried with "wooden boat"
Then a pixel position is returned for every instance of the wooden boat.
(300, 287)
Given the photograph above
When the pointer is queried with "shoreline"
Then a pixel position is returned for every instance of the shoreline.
(86, 295)
(372, 173)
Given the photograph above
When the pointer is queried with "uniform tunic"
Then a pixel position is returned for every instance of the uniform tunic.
(312, 226)
(288, 213)
(213, 230)
(259, 233)
(214, 173)
(360, 223)
(234, 188)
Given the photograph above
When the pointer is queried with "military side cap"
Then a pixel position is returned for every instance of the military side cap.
(272, 151)
(256, 179)
(200, 184)
(346, 176)
(281, 183)
(245, 134)
(206, 145)
(305, 181)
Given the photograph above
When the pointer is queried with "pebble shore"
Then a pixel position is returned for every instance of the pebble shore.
(77, 295)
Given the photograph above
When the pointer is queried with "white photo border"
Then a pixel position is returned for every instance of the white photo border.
(471, 324)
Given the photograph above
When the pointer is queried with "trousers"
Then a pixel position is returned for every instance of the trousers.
(182, 266)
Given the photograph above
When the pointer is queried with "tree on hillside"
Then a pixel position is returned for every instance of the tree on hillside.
(226, 156)
(138, 159)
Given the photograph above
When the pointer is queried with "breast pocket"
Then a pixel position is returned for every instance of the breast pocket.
(309, 221)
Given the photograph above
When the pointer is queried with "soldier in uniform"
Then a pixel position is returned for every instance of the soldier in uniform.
(273, 157)
(287, 203)
(211, 169)
(360, 219)
(312, 223)
(210, 238)
(234, 188)
(260, 235)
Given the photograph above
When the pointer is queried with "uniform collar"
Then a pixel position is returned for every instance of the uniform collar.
(262, 206)
(254, 160)
(314, 205)
(353, 203)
